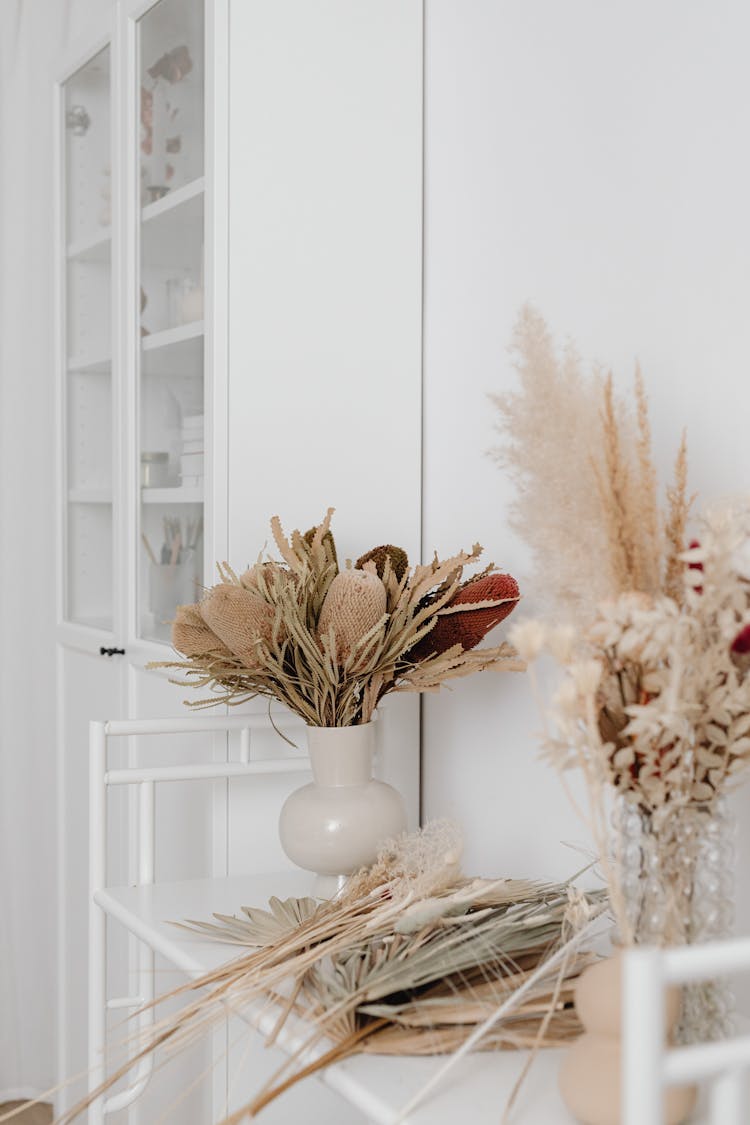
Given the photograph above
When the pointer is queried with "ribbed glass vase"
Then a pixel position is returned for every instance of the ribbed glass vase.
(676, 870)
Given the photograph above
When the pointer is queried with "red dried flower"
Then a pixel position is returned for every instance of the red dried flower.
(695, 565)
(468, 627)
(741, 643)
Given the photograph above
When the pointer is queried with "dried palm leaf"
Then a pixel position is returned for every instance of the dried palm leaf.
(365, 977)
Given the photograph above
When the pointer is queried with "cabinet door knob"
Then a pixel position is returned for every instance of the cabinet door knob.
(111, 651)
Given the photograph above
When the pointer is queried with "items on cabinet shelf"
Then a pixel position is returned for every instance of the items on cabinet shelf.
(161, 142)
(184, 299)
(155, 469)
(192, 456)
(176, 572)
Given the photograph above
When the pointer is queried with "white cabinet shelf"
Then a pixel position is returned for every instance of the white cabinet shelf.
(176, 495)
(171, 336)
(91, 495)
(91, 364)
(176, 199)
(95, 247)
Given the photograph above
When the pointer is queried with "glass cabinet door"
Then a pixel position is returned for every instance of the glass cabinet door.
(170, 46)
(87, 390)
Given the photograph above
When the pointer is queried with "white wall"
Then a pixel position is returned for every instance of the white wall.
(591, 158)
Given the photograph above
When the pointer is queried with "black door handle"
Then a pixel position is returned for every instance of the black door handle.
(111, 651)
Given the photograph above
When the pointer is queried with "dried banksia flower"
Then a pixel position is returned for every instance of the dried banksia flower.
(269, 572)
(331, 645)
(354, 604)
(458, 625)
(192, 636)
(240, 618)
(378, 555)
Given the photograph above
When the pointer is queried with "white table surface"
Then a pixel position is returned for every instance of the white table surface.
(477, 1088)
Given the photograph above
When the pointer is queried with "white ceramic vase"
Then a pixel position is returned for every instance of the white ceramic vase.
(335, 825)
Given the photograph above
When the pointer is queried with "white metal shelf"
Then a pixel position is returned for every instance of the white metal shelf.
(173, 200)
(94, 247)
(176, 495)
(169, 337)
(378, 1086)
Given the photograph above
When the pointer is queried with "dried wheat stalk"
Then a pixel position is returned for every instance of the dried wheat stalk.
(587, 489)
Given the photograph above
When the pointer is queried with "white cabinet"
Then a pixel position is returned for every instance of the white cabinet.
(239, 335)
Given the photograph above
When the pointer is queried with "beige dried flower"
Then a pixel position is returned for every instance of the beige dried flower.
(587, 492)
(191, 634)
(240, 618)
(355, 604)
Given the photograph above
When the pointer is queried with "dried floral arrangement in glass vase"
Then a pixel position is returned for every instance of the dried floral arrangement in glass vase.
(651, 625)
(329, 643)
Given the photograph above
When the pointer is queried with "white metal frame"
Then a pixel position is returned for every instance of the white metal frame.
(145, 778)
(648, 1065)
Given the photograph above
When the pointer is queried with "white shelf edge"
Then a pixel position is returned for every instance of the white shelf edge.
(175, 495)
(173, 199)
(89, 496)
(169, 336)
(92, 242)
(261, 1015)
(94, 364)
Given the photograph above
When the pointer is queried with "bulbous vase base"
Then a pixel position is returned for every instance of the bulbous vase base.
(335, 825)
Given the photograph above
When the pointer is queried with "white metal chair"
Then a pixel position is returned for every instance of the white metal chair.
(145, 778)
(648, 1065)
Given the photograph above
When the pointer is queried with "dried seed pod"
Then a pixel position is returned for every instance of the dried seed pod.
(356, 600)
(468, 627)
(329, 545)
(192, 636)
(378, 555)
(239, 618)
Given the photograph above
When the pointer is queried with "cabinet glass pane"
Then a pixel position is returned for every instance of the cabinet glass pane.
(171, 394)
(87, 394)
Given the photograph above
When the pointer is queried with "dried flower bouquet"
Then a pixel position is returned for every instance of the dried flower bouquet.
(330, 643)
(655, 704)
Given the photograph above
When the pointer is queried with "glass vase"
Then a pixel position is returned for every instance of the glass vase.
(676, 875)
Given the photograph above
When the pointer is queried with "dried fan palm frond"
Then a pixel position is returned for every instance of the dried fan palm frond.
(363, 979)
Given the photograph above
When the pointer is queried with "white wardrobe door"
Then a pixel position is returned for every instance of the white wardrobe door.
(325, 285)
